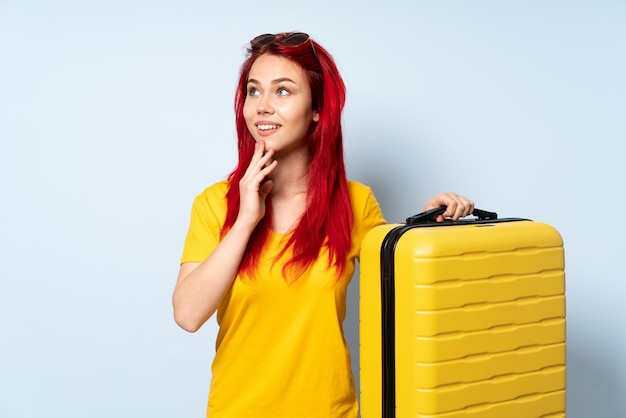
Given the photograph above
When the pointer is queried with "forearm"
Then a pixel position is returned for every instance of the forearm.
(201, 287)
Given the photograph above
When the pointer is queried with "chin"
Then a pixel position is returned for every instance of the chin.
(269, 143)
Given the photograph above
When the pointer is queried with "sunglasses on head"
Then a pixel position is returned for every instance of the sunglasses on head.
(289, 39)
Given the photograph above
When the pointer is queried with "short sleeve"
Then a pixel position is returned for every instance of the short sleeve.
(208, 212)
(367, 214)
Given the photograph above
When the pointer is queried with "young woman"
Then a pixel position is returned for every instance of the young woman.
(273, 247)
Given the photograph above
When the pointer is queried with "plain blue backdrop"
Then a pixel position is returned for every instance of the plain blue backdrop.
(114, 115)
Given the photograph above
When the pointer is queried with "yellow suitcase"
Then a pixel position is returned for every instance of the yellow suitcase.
(462, 319)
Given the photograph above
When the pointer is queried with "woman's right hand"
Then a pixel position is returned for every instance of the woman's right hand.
(201, 287)
(255, 185)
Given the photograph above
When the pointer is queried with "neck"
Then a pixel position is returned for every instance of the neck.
(290, 175)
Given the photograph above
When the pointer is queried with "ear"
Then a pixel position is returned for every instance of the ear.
(316, 116)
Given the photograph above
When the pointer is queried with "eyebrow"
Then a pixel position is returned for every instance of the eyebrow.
(276, 81)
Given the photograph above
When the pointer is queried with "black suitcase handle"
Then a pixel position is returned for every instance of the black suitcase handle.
(429, 215)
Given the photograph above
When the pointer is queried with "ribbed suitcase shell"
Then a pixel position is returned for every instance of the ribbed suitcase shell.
(479, 322)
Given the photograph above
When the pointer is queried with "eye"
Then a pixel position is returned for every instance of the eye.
(253, 91)
(281, 91)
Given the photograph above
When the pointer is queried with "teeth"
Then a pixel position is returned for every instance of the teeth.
(267, 127)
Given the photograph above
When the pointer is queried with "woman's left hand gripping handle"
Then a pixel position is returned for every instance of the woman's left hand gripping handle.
(255, 185)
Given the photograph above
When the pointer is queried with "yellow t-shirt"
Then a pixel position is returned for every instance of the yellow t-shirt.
(280, 350)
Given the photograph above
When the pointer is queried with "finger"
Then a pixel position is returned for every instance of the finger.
(259, 151)
(451, 202)
(256, 169)
(456, 207)
(264, 159)
(464, 207)
(267, 169)
(253, 182)
(266, 187)
(268, 157)
(469, 206)
(461, 208)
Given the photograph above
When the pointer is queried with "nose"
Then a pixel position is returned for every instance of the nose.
(264, 105)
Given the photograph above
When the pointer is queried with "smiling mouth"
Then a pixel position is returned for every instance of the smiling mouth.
(266, 127)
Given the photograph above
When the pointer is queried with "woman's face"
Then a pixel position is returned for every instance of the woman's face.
(278, 108)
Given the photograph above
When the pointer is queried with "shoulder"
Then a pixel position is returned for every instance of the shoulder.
(207, 217)
(212, 199)
(214, 193)
(362, 199)
(366, 210)
(216, 190)
(358, 190)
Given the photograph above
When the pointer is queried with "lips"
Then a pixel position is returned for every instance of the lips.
(266, 128)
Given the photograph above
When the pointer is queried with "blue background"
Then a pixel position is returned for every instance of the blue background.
(114, 115)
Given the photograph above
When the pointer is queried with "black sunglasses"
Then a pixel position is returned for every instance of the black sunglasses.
(289, 39)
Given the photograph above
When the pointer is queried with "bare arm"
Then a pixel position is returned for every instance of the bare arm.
(200, 287)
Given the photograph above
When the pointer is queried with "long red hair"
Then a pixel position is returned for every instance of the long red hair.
(328, 219)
